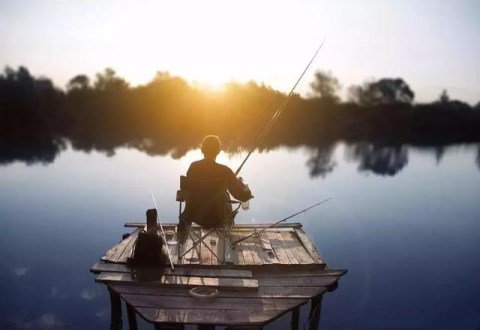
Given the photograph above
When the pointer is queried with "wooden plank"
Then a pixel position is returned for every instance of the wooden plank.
(113, 253)
(228, 253)
(299, 273)
(266, 256)
(307, 243)
(205, 316)
(265, 242)
(189, 302)
(201, 272)
(192, 257)
(263, 292)
(297, 248)
(250, 247)
(205, 254)
(223, 282)
(172, 225)
(288, 247)
(128, 250)
(297, 281)
(173, 248)
(247, 255)
(277, 248)
(217, 244)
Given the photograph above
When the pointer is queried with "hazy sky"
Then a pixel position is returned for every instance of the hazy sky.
(431, 44)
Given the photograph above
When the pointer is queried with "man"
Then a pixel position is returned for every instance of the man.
(207, 171)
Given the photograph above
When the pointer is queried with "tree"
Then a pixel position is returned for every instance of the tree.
(444, 98)
(383, 91)
(80, 81)
(325, 86)
(477, 107)
(108, 81)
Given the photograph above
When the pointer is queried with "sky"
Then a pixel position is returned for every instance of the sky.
(432, 45)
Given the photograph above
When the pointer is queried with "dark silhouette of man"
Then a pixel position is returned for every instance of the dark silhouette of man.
(209, 169)
(207, 207)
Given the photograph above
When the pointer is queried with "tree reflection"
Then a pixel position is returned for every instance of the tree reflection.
(320, 162)
(382, 160)
(478, 157)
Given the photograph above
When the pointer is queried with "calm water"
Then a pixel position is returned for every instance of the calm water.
(410, 237)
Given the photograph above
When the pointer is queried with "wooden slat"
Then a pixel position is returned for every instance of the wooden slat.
(297, 281)
(251, 246)
(265, 242)
(229, 253)
(297, 248)
(113, 254)
(218, 248)
(201, 272)
(205, 254)
(244, 247)
(307, 243)
(192, 257)
(173, 248)
(288, 248)
(277, 248)
(237, 225)
(299, 273)
(205, 316)
(189, 302)
(263, 292)
(226, 283)
(127, 252)
(266, 256)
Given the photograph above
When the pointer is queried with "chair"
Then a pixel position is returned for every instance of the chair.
(208, 204)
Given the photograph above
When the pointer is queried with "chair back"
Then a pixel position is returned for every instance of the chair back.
(206, 201)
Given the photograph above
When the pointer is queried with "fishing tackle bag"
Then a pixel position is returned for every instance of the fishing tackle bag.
(148, 251)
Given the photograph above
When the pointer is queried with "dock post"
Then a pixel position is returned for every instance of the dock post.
(295, 318)
(116, 310)
(315, 310)
(132, 317)
(151, 220)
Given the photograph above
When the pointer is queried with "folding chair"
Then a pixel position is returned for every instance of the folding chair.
(208, 204)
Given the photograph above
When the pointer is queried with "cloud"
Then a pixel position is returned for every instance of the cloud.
(21, 271)
(87, 294)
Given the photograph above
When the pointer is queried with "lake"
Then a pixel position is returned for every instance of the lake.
(404, 221)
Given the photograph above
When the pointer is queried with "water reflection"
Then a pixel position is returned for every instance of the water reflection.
(394, 234)
(379, 159)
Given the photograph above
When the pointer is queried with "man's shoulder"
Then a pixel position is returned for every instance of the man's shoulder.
(203, 165)
(224, 168)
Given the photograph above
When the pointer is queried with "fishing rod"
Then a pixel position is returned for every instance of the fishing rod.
(282, 107)
(163, 233)
(258, 232)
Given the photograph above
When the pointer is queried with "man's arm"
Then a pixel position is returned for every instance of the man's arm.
(236, 187)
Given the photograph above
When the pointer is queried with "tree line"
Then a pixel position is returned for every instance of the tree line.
(170, 116)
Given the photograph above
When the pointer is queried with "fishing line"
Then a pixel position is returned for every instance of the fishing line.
(279, 111)
(161, 229)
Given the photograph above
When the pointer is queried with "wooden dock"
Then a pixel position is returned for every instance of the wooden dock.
(259, 280)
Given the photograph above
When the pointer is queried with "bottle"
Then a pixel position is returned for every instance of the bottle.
(246, 205)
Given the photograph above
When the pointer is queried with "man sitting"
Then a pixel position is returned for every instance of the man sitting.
(208, 172)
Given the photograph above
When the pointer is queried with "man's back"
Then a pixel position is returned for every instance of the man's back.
(207, 169)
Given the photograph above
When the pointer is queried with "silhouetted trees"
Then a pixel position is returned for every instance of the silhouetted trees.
(169, 116)
(80, 81)
(325, 86)
(383, 91)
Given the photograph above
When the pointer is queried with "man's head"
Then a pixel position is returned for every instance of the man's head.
(211, 146)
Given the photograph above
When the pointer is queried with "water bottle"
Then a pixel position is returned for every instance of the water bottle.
(246, 205)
